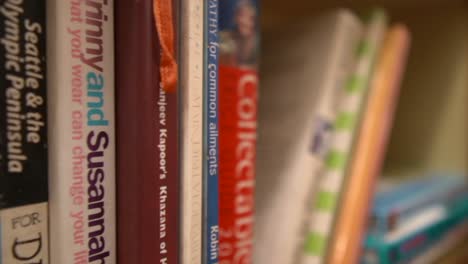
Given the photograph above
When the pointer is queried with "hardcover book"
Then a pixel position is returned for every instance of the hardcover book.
(238, 82)
(24, 216)
(296, 124)
(81, 134)
(147, 140)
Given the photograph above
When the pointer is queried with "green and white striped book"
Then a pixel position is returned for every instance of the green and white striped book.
(305, 70)
(346, 128)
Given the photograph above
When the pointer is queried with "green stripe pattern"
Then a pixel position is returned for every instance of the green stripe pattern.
(330, 183)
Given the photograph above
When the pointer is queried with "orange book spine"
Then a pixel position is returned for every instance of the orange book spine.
(370, 148)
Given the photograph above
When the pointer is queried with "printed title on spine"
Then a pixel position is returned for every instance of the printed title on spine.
(87, 43)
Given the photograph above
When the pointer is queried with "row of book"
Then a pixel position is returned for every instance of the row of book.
(128, 134)
(127, 131)
(325, 117)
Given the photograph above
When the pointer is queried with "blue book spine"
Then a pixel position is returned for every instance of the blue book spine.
(401, 192)
(378, 251)
(211, 144)
(388, 213)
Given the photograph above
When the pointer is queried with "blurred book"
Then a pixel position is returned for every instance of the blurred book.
(423, 232)
(393, 207)
(305, 68)
(238, 96)
(346, 128)
(370, 148)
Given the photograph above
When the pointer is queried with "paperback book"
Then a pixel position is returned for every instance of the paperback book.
(211, 135)
(191, 94)
(24, 220)
(82, 135)
(238, 82)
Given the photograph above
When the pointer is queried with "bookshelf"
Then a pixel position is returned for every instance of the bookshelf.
(431, 121)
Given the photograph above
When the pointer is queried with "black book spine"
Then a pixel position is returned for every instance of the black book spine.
(23, 133)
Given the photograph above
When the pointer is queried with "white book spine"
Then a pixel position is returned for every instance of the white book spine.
(82, 137)
(191, 94)
(349, 33)
(292, 201)
(317, 138)
(346, 127)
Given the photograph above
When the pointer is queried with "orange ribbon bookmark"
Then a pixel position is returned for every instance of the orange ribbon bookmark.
(164, 19)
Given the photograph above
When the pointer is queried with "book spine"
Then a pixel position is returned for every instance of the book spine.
(346, 127)
(400, 213)
(211, 134)
(168, 147)
(23, 133)
(343, 61)
(238, 82)
(326, 110)
(191, 142)
(370, 147)
(409, 247)
(82, 141)
(386, 211)
(384, 214)
(147, 142)
(168, 209)
(394, 194)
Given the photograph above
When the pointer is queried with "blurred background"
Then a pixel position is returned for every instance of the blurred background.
(426, 146)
